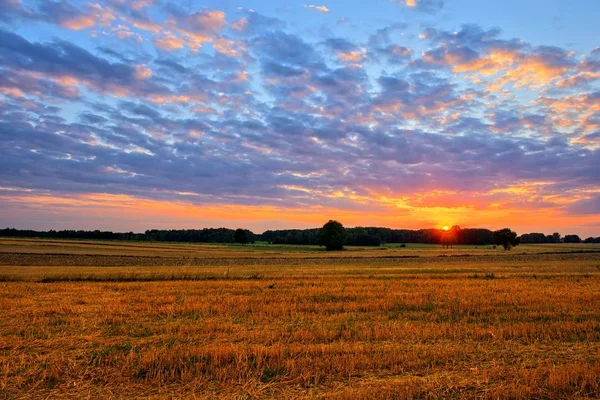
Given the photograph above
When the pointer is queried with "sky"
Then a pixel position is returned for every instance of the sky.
(132, 115)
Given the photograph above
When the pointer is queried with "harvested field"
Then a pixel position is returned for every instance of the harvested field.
(98, 319)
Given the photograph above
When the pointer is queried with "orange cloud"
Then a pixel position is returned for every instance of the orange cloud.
(423, 106)
(14, 92)
(211, 20)
(574, 112)
(193, 31)
(492, 64)
(95, 15)
(532, 72)
(199, 28)
(123, 32)
(578, 79)
(198, 98)
(142, 72)
(351, 56)
(400, 51)
(78, 23)
(509, 67)
(134, 4)
(141, 4)
(240, 24)
(322, 9)
(146, 25)
(230, 48)
(169, 42)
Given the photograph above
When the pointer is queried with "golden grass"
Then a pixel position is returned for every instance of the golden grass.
(492, 325)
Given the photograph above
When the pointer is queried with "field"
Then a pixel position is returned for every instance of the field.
(124, 319)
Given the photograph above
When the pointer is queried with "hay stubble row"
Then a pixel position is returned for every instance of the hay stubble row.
(486, 325)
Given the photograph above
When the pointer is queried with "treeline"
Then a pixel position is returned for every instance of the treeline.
(354, 237)
(540, 238)
(71, 234)
(360, 236)
(373, 236)
(555, 238)
(207, 235)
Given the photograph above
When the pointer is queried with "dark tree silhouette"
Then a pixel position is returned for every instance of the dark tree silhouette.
(572, 239)
(535, 237)
(506, 238)
(451, 237)
(332, 236)
(240, 236)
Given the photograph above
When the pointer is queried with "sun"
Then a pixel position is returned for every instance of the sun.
(446, 228)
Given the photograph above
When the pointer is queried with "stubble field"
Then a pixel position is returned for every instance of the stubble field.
(101, 319)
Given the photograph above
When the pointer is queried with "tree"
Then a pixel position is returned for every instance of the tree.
(572, 239)
(534, 238)
(506, 238)
(240, 236)
(556, 237)
(332, 236)
(360, 236)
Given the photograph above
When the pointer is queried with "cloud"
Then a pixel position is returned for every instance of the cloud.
(142, 72)
(124, 32)
(322, 9)
(351, 57)
(197, 23)
(66, 15)
(496, 61)
(61, 13)
(61, 59)
(70, 66)
(9, 8)
(579, 80)
(240, 24)
(254, 23)
(426, 6)
(198, 27)
(346, 51)
(244, 110)
(168, 41)
(381, 46)
(589, 206)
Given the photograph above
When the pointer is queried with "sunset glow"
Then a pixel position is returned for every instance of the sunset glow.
(414, 114)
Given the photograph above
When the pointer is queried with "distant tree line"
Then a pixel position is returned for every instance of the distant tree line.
(359, 236)
(207, 235)
(71, 234)
(555, 238)
(540, 238)
(373, 236)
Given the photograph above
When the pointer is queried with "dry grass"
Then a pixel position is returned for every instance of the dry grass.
(266, 324)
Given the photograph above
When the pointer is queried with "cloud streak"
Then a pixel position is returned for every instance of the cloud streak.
(322, 9)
